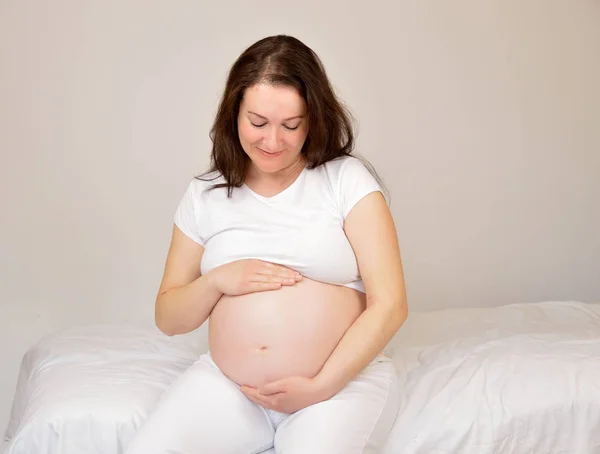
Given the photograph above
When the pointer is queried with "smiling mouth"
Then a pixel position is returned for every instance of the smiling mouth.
(277, 153)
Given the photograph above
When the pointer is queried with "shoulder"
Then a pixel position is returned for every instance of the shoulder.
(200, 184)
(191, 213)
(208, 179)
(351, 179)
(347, 170)
(338, 165)
(199, 191)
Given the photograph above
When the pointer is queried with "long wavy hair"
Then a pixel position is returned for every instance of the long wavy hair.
(280, 61)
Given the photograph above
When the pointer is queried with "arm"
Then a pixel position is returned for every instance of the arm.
(370, 229)
(185, 298)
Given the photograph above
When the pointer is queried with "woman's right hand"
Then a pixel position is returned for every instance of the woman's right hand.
(252, 275)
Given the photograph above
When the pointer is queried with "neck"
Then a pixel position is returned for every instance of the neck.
(280, 179)
(271, 184)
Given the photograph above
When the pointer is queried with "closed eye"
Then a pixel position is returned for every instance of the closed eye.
(289, 128)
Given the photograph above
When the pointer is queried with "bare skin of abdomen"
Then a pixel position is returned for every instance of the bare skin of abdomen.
(262, 337)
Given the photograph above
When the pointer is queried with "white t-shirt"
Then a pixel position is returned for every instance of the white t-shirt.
(302, 227)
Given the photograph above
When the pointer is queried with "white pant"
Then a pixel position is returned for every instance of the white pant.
(206, 413)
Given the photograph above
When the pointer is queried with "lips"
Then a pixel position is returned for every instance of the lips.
(268, 154)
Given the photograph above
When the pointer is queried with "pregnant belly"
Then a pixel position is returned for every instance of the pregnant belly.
(262, 337)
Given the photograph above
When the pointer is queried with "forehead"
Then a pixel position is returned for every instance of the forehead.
(273, 102)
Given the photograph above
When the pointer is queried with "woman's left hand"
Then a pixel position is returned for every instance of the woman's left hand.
(287, 395)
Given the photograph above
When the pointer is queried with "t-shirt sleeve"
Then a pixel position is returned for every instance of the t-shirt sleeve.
(355, 181)
(186, 214)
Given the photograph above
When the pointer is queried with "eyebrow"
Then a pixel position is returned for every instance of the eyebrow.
(265, 118)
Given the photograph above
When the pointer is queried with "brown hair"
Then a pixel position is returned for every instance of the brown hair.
(281, 61)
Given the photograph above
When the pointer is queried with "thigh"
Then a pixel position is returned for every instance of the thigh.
(204, 412)
(357, 420)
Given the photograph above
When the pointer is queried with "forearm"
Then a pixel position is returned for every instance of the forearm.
(183, 309)
(361, 343)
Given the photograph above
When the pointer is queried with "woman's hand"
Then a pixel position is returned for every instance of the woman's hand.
(288, 395)
(252, 275)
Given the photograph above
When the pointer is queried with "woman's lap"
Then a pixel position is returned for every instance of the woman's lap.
(356, 420)
(205, 412)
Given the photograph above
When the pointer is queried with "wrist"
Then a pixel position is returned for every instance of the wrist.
(212, 281)
(327, 385)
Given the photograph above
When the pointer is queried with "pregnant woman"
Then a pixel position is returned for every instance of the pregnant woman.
(288, 248)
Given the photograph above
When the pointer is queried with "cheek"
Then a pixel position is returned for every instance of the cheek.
(249, 134)
(295, 139)
(295, 142)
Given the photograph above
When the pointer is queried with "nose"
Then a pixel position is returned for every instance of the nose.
(273, 140)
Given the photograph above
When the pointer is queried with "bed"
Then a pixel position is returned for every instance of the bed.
(522, 378)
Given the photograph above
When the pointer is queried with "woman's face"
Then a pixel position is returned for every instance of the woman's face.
(272, 126)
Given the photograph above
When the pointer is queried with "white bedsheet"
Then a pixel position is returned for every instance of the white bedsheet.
(511, 380)
(86, 390)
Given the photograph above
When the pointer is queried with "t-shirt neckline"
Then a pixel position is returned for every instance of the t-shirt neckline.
(280, 194)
